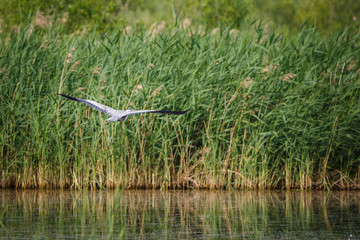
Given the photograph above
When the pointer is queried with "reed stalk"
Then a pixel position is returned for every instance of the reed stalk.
(267, 110)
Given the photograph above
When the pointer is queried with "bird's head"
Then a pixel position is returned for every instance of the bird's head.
(112, 119)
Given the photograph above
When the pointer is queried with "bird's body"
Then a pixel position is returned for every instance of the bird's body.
(119, 115)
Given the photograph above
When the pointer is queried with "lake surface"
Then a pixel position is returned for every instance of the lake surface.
(35, 214)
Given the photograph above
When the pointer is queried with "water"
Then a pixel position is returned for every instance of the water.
(59, 214)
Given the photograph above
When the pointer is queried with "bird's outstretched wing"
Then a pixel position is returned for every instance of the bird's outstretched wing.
(133, 112)
(102, 108)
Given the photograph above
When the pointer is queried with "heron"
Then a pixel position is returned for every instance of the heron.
(119, 115)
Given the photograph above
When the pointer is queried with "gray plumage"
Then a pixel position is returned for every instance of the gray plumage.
(119, 115)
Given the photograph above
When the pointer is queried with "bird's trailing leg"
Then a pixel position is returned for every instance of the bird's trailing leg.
(107, 122)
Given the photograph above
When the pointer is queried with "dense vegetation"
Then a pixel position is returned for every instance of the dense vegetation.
(267, 110)
(107, 15)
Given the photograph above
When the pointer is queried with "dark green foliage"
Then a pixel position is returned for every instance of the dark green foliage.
(213, 14)
(101, 15)
(328, 15)
(108, 15)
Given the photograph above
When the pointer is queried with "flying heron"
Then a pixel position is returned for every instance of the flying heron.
(119, 115)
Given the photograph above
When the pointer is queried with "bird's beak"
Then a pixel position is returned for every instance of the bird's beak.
(107, 122)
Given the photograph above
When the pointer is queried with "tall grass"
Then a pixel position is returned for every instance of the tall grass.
(267, 110)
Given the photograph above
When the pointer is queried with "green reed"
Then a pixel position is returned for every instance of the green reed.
(267, 110)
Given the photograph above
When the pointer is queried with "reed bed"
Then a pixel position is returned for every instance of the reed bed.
(268, 110)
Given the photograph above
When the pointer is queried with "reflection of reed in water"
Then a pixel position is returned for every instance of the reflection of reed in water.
(177, 213)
